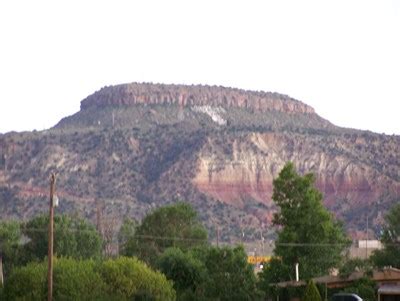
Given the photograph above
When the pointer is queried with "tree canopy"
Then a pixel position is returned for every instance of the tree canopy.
(307, 232)
(175, 225)
(364, 287)
(126, 235)
(114, 279)
(73, 237)
(210, 273)
(10, 239)
(128, 277)
(390, 254)
(229, 275)
(187, 273)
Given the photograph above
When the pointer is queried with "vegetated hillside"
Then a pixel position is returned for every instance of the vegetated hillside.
(133, 147)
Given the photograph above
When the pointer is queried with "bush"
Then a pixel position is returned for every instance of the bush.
(120, 279)
(311, 292)
(76, 280)
(27, 283)
(128, 277)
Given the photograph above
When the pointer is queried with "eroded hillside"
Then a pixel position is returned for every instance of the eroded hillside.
(134, 147)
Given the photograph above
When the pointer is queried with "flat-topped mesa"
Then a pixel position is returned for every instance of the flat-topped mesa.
(147, 93)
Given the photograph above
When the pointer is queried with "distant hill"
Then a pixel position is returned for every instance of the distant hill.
(136, 146)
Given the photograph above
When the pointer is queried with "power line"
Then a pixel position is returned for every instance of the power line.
(295, 244)
(158, 237)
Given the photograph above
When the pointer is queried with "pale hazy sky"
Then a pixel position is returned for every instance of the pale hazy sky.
(340, 57)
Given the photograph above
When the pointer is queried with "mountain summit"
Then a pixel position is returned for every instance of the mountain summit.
(195, 95)
(127, 104)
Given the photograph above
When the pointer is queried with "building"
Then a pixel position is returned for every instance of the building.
(387, 279)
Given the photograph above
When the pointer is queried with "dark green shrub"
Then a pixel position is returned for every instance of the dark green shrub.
(120, 279)
(311, 292)
(129, 278)
(229, 276)
(27, 283)
(365, 288)
(76, 280)
(187, 273)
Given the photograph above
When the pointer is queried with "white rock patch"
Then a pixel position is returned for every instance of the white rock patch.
(213, 112)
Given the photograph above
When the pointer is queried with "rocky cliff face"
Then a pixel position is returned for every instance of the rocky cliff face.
(350, 186)
(137, 146)
(131, 94)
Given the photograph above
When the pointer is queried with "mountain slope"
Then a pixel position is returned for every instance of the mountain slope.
(132, 147)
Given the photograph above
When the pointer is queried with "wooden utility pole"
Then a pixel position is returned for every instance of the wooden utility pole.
(217, 236)
(1, 270)
(366, 242)
(51, 234)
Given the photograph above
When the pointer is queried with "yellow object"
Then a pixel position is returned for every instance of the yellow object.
(258, 259)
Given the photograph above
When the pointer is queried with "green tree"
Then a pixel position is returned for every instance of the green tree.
(353, 265)
(73, 237)
(26, 283)
(170, 226)
(229, 275)
(390, 254)
(274, 271)
(187, 273)
(210, 273)
(130, 279)
(76, 280)
(10, 244)
(365, 288)
(311, 292)
(307, 232)
(126, 236)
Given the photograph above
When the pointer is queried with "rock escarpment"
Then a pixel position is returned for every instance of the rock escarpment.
(135, 93)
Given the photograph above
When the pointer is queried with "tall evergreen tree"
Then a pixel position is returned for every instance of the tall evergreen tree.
(307, 233)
